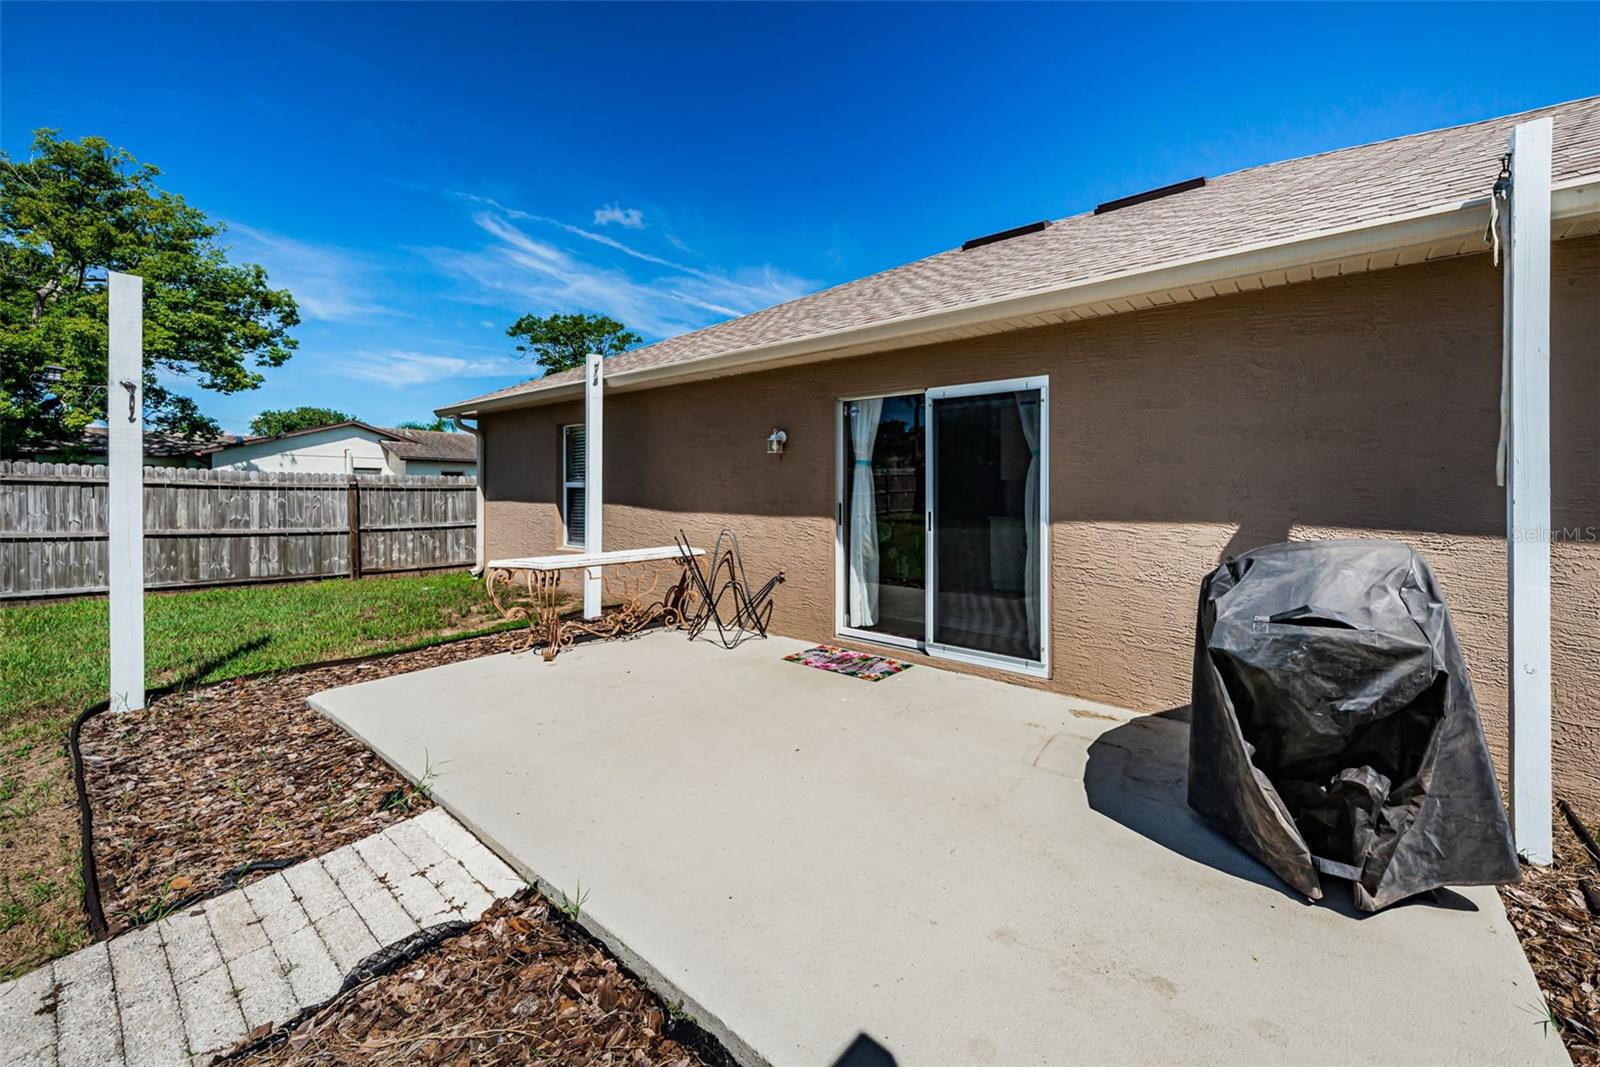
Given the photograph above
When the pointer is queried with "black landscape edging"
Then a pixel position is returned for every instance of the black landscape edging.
(680, 1028)
(374, 966)
(94, 910)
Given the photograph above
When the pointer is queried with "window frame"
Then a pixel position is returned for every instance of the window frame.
(569, 483)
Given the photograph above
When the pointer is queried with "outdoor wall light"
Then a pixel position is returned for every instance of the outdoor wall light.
(775, 442)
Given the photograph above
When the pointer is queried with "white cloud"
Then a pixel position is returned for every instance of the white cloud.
(672, 299)
(401, 369)
(630, 217)
(328, 283)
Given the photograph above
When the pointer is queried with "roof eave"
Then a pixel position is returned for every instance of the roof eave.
(1427, 234)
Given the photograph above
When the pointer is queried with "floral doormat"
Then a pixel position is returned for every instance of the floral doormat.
(843, 661)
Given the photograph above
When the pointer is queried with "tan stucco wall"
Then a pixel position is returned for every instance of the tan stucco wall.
(1359, 406)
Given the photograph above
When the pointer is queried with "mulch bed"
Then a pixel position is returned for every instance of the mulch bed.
(206, 780)
(1562, 939)
(520, 986)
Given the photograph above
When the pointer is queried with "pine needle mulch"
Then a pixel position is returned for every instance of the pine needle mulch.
(520, 986)
(1561, 938)
(206, 780)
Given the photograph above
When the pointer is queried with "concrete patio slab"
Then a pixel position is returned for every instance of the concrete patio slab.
(962, 870)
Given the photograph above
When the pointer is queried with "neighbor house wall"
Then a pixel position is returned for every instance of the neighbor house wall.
(434, 467)
(1357, 406)
(335, 451)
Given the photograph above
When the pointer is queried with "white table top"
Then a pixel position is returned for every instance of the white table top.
(569, 560)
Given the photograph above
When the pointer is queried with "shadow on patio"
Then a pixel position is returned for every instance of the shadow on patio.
(1137, 775)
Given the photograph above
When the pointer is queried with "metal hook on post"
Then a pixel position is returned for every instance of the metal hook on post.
(133, 394)
(1499, 195)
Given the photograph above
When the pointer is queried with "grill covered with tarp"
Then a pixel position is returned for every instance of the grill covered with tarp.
(1334, 728)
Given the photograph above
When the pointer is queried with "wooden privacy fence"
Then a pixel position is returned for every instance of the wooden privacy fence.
(205, 527)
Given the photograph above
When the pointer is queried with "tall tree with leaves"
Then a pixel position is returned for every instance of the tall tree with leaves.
(272, 422)
(69, 213)
(560, 342)
(438, 424)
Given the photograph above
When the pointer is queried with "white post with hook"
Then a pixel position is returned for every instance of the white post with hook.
(125, 487)
(1527, 467)
(593, 471)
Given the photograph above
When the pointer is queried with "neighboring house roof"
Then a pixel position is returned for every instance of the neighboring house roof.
(440, 445)
(235, 442)
(96, 441)
(1231, 215)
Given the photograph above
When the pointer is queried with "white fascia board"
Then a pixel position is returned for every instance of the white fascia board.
(1571, 200)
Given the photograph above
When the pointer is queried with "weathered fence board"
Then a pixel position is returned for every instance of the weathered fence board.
(205, 527)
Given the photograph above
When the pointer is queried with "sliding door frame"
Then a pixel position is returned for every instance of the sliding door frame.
(1039, 668)
(840, 557)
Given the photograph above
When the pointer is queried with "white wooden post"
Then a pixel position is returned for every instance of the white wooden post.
(593, 476)
(1528, 532)
(125, 488)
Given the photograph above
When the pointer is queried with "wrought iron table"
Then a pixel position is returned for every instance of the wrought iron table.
(637, 604)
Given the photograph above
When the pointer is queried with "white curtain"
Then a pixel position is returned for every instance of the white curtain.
(1028, 410)
(862, 574)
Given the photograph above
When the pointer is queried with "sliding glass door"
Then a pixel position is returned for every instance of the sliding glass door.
(986, 540)
(881, 518)
(943, 521)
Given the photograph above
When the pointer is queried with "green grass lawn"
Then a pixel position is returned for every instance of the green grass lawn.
(53, 665)
(53, 655)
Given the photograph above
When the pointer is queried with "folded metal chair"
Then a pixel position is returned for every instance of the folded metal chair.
(720, 594)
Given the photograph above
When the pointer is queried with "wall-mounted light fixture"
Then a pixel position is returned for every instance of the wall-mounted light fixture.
(775, 442)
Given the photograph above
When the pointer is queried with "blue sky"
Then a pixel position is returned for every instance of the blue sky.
(420, 175)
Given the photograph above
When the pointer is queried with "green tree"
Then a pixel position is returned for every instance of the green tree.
(271, 423)
(436, 423)
(559, 342)
(67, 214)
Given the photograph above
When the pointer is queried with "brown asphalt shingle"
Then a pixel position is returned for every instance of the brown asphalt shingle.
(441, 445)
(1261, 205)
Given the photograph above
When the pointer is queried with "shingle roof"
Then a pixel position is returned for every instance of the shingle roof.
(230, 442)
(439, 445)
(1274, 203)
(96, 440)
(406, 443)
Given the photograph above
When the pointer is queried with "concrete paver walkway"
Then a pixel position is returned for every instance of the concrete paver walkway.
(190, 986)
(964, 870)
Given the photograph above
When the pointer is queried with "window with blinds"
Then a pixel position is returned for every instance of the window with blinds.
(574, 457)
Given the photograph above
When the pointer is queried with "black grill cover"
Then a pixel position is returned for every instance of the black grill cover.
(1334, 724)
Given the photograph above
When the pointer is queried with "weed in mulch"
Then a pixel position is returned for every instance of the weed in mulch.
(203, 781)
(521, 986)
(1562, 940)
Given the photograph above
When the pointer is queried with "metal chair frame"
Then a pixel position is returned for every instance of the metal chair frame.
(725, 580)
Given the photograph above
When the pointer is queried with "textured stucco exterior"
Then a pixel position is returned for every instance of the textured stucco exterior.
(1358, 406)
